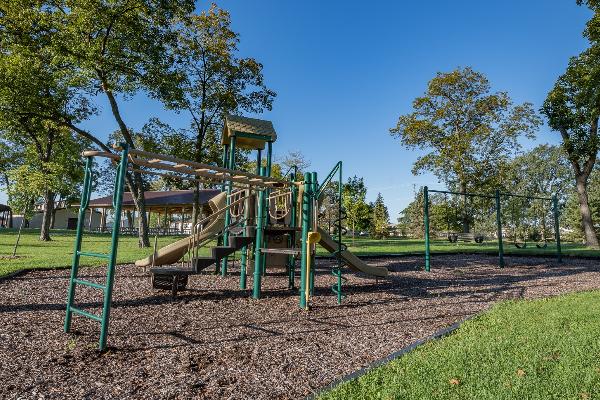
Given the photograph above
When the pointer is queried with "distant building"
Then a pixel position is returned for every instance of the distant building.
(168, 212)
(172, 211)
(5, 215)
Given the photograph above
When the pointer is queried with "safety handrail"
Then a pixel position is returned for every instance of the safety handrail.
(274, 205)
(219, 211)
(327, 180)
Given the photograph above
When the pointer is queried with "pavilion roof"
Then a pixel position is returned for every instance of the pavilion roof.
(155, 199)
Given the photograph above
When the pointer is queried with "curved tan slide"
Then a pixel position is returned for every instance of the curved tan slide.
(173, 252)
(354, 262)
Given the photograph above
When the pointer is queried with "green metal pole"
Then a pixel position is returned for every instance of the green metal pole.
(258, 256)
(556, 228)
(292, 239)
(426, 223)
(268, 193)
(339, 228)
(314, 190)
(225, 162)
(244, 250)
(499, 225)
(85, 198)
(112, 262)
(231, 165)
(244, 259)
(269, 156)
(306, 200)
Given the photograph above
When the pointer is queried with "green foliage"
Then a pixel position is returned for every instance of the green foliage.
(541, 171)
(572, 108)
(380, 218)
(354, 195)
(469, 131)
(209, 79)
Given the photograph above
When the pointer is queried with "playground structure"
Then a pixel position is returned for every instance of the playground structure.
(491, 223)
(271, 221)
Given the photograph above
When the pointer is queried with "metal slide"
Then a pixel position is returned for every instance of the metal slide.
(353, 262)
(173, 252)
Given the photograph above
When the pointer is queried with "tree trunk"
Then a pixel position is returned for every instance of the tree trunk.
(136, 184)
(591, 240)
(129, 219)
(53, 218)
(47, 216)
(137, 194)
(466, 225)
(196, 208)
(10, 219)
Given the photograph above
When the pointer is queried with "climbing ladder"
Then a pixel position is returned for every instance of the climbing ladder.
(111, 256)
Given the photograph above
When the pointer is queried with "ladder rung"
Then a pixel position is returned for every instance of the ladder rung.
(90, 284)
(86, 314)
(90, 254)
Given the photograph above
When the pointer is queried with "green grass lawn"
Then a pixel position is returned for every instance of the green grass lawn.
(542, 349)
(367, 246)
(59, 252)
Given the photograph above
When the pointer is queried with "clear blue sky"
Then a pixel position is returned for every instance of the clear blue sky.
(345, 70)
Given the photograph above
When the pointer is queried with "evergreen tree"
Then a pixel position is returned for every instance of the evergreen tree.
(380, 218)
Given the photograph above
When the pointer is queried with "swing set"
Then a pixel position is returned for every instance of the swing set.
(521, 229)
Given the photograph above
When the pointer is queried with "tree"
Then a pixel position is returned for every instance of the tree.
(116, 48)
(296, 159)
(50, 167)
(410, 220)
(329, 206)
(357, 210)
(573, 108)
(11, 156)
(469, 131)
(213, 81)
(541, 171)
(380, 218)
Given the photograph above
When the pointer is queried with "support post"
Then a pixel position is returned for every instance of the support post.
(313, 227)
(258, 256)
(556, 227)
(339, 228)
(306, 221)
(244, 250)
(499, 225)
(426, 223)
(292, 239)
(228, 211)
(225, 163)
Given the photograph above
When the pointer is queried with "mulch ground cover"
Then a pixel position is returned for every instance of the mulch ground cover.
(214, 341)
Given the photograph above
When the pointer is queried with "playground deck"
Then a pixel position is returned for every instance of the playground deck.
(216, 342)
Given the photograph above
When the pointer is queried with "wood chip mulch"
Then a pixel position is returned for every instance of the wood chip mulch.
(214, 341)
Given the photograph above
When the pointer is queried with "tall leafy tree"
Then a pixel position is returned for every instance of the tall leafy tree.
(354, 195)
(468, 131)
(213, 79)
(115, 48)
(573, 109)
(51, 156)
